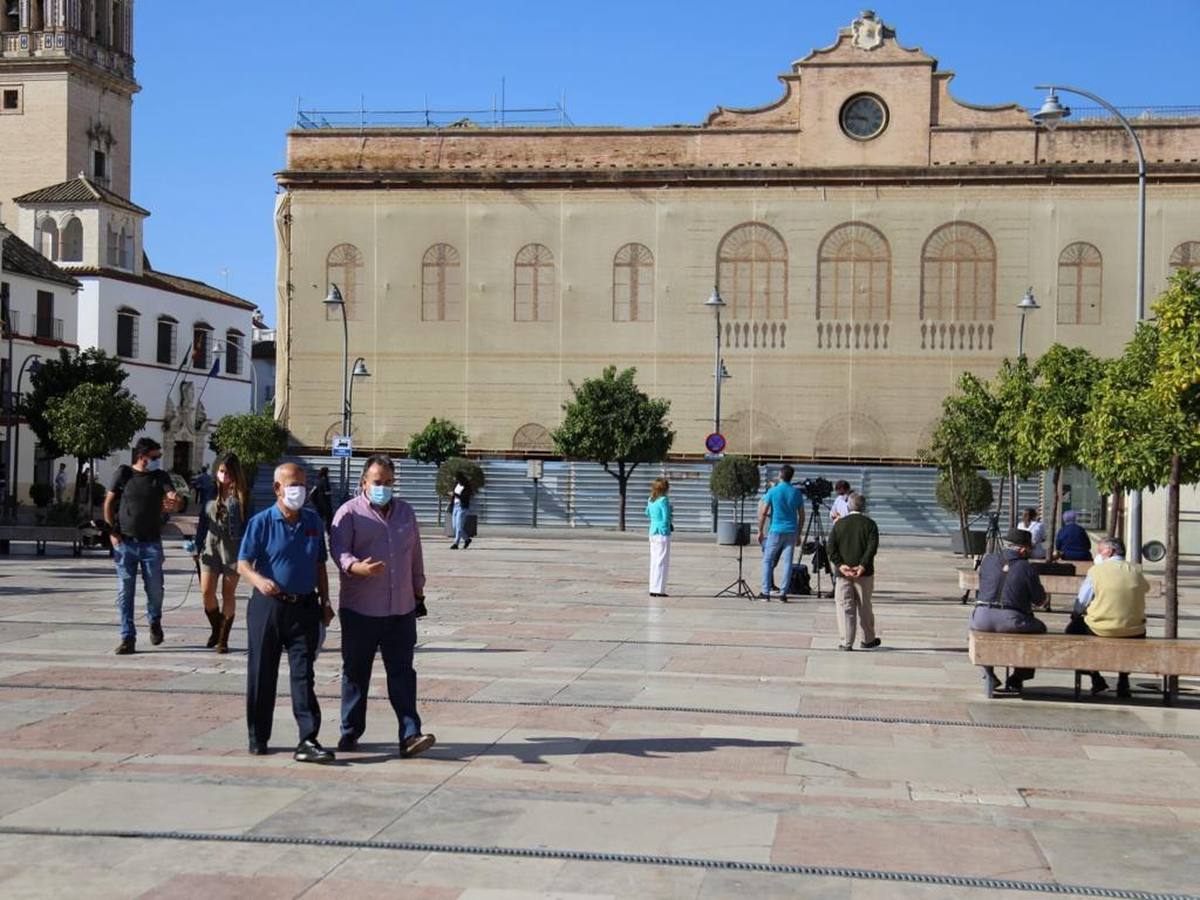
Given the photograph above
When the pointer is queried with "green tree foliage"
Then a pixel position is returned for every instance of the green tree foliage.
(447, 475)
(93, 420)
(56, 378)
(256, 438)
(612, 422)
(437, 442)
(1051, 428)
(735, 478)
(968, 493)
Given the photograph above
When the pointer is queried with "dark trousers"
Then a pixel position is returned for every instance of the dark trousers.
(1007, 621)
(1079, 625)
(274, 627)
(395, 637)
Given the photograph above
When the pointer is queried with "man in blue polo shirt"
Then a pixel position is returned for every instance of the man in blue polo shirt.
(784, 504)
(283, 558)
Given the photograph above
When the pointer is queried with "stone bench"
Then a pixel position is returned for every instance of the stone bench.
(41, 535)
(1081, 653)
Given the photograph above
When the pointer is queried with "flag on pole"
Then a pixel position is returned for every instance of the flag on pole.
(216, 366)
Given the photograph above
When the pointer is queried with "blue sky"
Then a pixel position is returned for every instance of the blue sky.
(221, 80)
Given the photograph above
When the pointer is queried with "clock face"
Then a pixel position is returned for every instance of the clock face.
(864, 117)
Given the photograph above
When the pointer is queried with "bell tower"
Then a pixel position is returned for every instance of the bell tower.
(66, 95)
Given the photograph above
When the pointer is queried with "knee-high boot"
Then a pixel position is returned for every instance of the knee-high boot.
(214, 620)
(226, 627)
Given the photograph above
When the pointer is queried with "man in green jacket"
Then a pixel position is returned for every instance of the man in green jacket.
(852, 545)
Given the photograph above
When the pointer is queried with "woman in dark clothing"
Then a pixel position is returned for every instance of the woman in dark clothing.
(460, 506)
(217, 540)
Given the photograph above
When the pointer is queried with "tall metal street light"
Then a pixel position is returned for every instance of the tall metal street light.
(32, 363)
(360, 371)
(334, 299)
(1050, 115)
(1027, 305)
(716, 304)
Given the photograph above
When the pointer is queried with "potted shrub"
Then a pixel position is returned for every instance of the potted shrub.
(446, 479)
(966, 495)
(41, 495)
(735, 478)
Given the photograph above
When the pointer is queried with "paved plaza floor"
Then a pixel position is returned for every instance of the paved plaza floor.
(598, 742)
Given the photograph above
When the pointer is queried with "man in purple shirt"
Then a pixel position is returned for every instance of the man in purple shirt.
(377, 548)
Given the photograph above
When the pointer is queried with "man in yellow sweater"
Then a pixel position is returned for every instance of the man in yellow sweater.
(1111, 603)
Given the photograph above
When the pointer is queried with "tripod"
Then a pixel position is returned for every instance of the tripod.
(739, 587)
(820, 556)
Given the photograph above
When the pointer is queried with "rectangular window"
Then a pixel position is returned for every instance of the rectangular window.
(166, 343)
(200, 358)
(127, 335)
(99, 165)
(6, 322)
(10, 100)
(47, 325)
(233, 353)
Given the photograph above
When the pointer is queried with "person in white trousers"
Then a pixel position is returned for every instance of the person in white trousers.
(658, 511)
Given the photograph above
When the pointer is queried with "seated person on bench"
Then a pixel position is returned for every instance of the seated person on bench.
(1008, 589)
(1072, 542)
(1111, 603)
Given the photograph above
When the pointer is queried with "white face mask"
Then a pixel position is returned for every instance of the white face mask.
(153, 465)
(294, 496)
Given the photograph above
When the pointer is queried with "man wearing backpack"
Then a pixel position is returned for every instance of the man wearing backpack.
(134, 509)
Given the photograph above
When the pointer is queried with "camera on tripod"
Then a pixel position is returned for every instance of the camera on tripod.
(817, 490)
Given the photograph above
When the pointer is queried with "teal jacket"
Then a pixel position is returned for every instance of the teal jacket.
(659, 513)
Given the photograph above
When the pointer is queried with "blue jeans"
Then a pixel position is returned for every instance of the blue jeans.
(130, 557)
(459, 520)
(778, 543)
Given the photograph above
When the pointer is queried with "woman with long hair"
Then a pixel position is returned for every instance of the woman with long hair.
(217, 540)
(460, 505)
(658, 511)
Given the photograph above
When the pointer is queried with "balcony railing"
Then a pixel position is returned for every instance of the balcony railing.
(853, 335)
(755, 335)
(11, 326)
(957, 336)
(49, 329)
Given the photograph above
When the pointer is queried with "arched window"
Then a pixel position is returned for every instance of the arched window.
(125, 248)
(533, 437)
(1079, 283)
(854, 274)
(234, 341)
(48, 244)
(201, 345)
(127, 332)
(441, 284)
(752, 272)
(341, 268)
(71, 242)
(168, 329)
(958, 274)
(1186, 256)
(633, 284)
(533, 284)
(113, 257)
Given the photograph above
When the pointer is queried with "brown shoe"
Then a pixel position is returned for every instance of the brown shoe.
(416, 745)
(126, 647)
(226, 627)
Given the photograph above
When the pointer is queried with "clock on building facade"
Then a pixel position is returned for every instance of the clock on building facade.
(864, 116)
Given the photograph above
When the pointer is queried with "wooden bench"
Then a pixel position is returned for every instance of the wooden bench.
(41, 535)
(1152, 656)
(968, 580)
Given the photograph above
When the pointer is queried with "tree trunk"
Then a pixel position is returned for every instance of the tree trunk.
(1171, 574)
(91, 489)
(962, 514)
(1055, 515)
(78, 482)
(1014, 499)
(1118, 511)
(1000, 496)
(622, 485)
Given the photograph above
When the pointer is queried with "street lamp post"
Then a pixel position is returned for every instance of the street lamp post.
(716, 304)
(334, 299)
(1050, 115)
(360, 371)
(32, 362)
(1027, 305)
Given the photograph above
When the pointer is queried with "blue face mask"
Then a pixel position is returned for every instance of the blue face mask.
(379, 494)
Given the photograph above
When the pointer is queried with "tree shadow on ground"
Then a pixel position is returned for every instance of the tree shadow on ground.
(535, 750)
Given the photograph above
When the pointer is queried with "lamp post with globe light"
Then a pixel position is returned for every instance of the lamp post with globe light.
(333, 300)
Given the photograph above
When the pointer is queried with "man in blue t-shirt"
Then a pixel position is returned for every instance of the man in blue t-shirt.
(784, 505)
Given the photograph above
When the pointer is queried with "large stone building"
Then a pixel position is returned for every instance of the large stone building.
(871, 234)
(66, 99)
